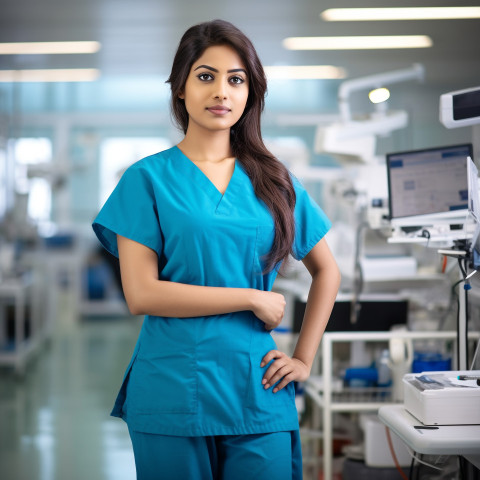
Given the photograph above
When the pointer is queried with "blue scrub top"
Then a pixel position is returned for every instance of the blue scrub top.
(201, 376)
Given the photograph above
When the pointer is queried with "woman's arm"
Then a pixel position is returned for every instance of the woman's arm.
(323, 291)
(147, 295)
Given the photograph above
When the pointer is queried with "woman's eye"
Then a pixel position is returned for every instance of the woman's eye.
(205, 77)
(237, 80)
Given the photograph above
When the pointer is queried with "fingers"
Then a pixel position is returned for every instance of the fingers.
(281, 369)
(285, 381)
(270, 356)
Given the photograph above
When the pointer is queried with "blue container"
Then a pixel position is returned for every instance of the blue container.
(361, 377)
(430, 362)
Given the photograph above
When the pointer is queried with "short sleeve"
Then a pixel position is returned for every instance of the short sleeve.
(311, 223)
(131, 212)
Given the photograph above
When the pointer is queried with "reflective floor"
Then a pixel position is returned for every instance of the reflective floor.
(54, 422)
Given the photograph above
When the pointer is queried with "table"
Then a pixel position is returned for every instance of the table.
(445, 440)
(18, 292)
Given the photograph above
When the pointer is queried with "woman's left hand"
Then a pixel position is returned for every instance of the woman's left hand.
(283, 368)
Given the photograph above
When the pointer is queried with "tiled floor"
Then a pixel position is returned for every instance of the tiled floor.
(54, 422)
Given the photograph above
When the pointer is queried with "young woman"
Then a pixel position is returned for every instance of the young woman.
(201, 230)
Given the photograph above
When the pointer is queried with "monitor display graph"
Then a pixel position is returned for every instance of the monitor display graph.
(429, 181)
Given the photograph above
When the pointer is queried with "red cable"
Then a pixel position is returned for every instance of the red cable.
(392, 451)
(444, 263)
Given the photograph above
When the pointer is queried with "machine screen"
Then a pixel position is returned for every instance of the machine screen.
(429, 181)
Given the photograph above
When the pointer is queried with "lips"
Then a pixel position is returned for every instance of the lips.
(218, 110)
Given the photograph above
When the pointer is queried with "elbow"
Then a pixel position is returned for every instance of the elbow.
(135, 309)
(135, 304)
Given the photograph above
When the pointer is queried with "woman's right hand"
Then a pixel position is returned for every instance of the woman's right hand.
(268, 307)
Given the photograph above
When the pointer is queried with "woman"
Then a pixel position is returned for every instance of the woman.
(201, 230)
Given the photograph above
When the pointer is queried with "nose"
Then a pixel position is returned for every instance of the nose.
(220, 92)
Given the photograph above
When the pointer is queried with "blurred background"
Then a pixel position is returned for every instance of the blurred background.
(74, 116)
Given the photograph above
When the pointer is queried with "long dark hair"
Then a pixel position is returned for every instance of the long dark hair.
(270, 178)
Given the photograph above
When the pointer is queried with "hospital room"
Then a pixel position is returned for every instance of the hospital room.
(246, 234)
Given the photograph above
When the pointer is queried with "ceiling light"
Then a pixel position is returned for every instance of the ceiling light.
(401, 13)
(379, 95)
(47, 48)
(357, 43)
(50, 75)
(303, 72)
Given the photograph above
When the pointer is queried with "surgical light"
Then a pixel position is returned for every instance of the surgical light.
(379, 95)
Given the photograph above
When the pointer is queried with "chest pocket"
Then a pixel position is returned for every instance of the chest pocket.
(263, 245)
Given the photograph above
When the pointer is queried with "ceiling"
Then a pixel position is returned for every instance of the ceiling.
(139, 37)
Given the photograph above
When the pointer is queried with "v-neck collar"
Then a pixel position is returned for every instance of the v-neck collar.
(204, 181)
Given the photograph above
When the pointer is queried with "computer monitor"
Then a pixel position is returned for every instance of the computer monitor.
(429, 185)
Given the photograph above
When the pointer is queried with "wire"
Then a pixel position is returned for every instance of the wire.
(410, 473)
(475, 355)
(444, 263)
(461, 464)
(466, 321)
(466, 287)
(426, 234)
(412, 453)
(394, 456)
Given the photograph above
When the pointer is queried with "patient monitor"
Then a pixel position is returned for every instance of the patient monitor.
(431, 186)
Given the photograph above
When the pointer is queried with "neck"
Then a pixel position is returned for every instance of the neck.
(206, 145)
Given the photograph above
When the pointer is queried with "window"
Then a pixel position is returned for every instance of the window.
(34, 175)
(117, 154)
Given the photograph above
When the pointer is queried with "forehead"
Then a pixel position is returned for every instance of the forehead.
(222, 57)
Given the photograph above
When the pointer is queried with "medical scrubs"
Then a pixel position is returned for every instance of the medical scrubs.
(201, 376)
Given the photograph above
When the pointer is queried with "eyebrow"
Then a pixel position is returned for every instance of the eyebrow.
(215, 70)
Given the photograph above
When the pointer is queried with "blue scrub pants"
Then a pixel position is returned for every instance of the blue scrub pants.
(230, 457)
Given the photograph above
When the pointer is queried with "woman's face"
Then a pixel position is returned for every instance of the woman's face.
(216, 90)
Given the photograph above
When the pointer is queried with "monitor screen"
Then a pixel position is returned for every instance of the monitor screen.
(429, 181)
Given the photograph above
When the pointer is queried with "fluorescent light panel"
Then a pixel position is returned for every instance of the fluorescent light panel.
(50, 75)
(357, 43)
(401, 13)
(304, 72)
(48, 48)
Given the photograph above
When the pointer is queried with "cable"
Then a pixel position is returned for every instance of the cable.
(410, 473)
(426, 234)
(458, 325)
(412, 453)
(444, 263)
(394, 456)
(475, 355)
(466, 287)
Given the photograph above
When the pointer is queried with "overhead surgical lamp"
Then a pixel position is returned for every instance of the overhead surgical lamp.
(379, 95)
(353, 141)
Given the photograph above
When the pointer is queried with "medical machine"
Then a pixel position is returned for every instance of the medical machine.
(430, 186)
(443, 398)
(460, 108)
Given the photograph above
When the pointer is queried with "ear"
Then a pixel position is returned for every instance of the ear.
(181, 95)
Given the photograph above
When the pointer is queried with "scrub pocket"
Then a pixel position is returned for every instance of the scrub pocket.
(262, 400)
(164, 382)
(263, 245)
